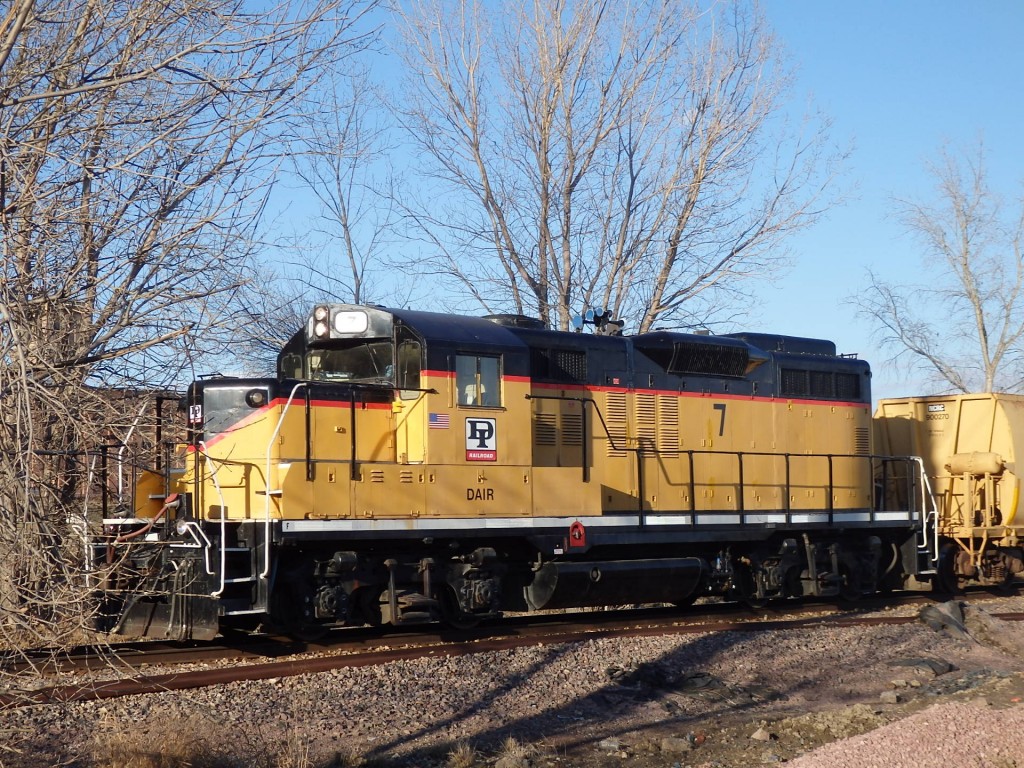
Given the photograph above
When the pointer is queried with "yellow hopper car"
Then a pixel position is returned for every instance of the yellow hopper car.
(968, 446)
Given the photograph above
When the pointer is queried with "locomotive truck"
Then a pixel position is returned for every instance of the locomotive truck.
(406, 466)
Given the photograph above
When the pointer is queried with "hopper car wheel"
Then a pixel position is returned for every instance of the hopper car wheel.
(452, 613)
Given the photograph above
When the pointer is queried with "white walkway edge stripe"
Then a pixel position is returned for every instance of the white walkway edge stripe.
(459, 523)
(527, 523)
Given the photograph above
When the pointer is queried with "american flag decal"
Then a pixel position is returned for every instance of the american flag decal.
(439, 421)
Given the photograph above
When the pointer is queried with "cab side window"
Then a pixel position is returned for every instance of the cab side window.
(409, 364)
(478, 380)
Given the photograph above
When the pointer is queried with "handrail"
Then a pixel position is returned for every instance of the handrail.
(270, 445)
(639, 450)
(84, 521)
(223, 523)
(926, 495)
(788, 458)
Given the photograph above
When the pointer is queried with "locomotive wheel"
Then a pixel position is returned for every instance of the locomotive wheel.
(746, 589)
(849, 588)
(368, 609)
(452, 613)
(308, 633)
(890, 578)
(686, 602)
(289, 616)
(755, 603)
(296, 627)
(293, 624)
(793, 586)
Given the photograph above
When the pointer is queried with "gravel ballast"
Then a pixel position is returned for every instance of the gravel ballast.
(903, 695)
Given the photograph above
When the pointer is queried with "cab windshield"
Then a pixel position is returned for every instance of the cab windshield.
(363, 361)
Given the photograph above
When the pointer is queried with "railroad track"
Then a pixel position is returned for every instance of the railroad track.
(357, 648)
(134, 654)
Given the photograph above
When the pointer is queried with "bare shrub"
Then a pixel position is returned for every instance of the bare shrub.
(462, 756)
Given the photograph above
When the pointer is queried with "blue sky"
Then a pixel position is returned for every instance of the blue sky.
(899, 79)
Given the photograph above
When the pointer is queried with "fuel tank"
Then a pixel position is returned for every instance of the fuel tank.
(614, 582)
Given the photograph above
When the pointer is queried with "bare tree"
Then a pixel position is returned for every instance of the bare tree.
(590, 152)
(341, 160)
(965, 325)
(344, 163)
(136, 144)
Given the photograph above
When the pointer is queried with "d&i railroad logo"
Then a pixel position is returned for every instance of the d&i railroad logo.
(481, 439)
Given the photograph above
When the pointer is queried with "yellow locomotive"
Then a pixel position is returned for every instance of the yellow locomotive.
(409, 466)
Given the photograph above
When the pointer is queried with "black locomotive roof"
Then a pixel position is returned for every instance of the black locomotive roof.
(455, 330)
(658, 359)
(797, 345)
(496, 332)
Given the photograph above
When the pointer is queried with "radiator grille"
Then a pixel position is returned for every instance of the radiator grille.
(545, 429)
(616, 419)
(668, 423)
(572, 429)
(646, 421)
(862, 441)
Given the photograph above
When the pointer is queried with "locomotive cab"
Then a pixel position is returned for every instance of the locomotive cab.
(352, 345)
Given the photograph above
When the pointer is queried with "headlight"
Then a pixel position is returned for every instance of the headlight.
(351, 322)
(320, 330)
(255, 398)
(321, 313)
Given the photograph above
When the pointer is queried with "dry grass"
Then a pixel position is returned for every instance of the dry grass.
(462, 756)
(127, 750)
(296, 753)
(195, 743)
(182, 744)
(512, 749)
